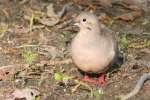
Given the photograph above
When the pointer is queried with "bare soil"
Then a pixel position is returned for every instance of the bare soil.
(52, 45)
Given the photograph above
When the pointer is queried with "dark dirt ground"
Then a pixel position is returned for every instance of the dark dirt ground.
(51, 45)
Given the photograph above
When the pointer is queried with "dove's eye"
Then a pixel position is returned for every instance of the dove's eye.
(84, 20)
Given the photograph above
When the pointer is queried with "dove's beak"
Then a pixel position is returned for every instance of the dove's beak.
(76, 24)
(77, 21)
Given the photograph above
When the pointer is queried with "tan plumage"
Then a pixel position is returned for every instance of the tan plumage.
(93, 48)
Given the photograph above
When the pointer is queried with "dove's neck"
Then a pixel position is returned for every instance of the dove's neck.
(90, 30)
(85, 34)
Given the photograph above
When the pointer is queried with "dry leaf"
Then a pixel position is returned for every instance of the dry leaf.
(8, 50)
(140, 4)
(51, 52)
(48, 22)
(26, 93)
(94, 2)
(77, 1)
(104, 18)
(91, 8)
(50, 11)
(129, 16)
(53, 18)
(7, 72)
(106, 2)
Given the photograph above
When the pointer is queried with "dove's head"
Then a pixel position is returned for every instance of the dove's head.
(88, 21)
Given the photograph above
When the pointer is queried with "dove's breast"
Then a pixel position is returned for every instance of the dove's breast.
(92, 54)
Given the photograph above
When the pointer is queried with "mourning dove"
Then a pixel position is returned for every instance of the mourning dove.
(94, 48)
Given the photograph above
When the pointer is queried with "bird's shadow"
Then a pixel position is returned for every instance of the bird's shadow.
(117, 64)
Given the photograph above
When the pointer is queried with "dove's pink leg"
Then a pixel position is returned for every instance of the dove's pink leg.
(86, 78)
(100, 81)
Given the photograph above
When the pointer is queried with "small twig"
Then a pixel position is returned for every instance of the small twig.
(138, 87)
(83, 84)
(57, 62)
(65, 24)
(24, 1)
(26, 45)
(76, 87)
(31, 23)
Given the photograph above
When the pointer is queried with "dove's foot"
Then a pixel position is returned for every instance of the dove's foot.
(100, 81)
